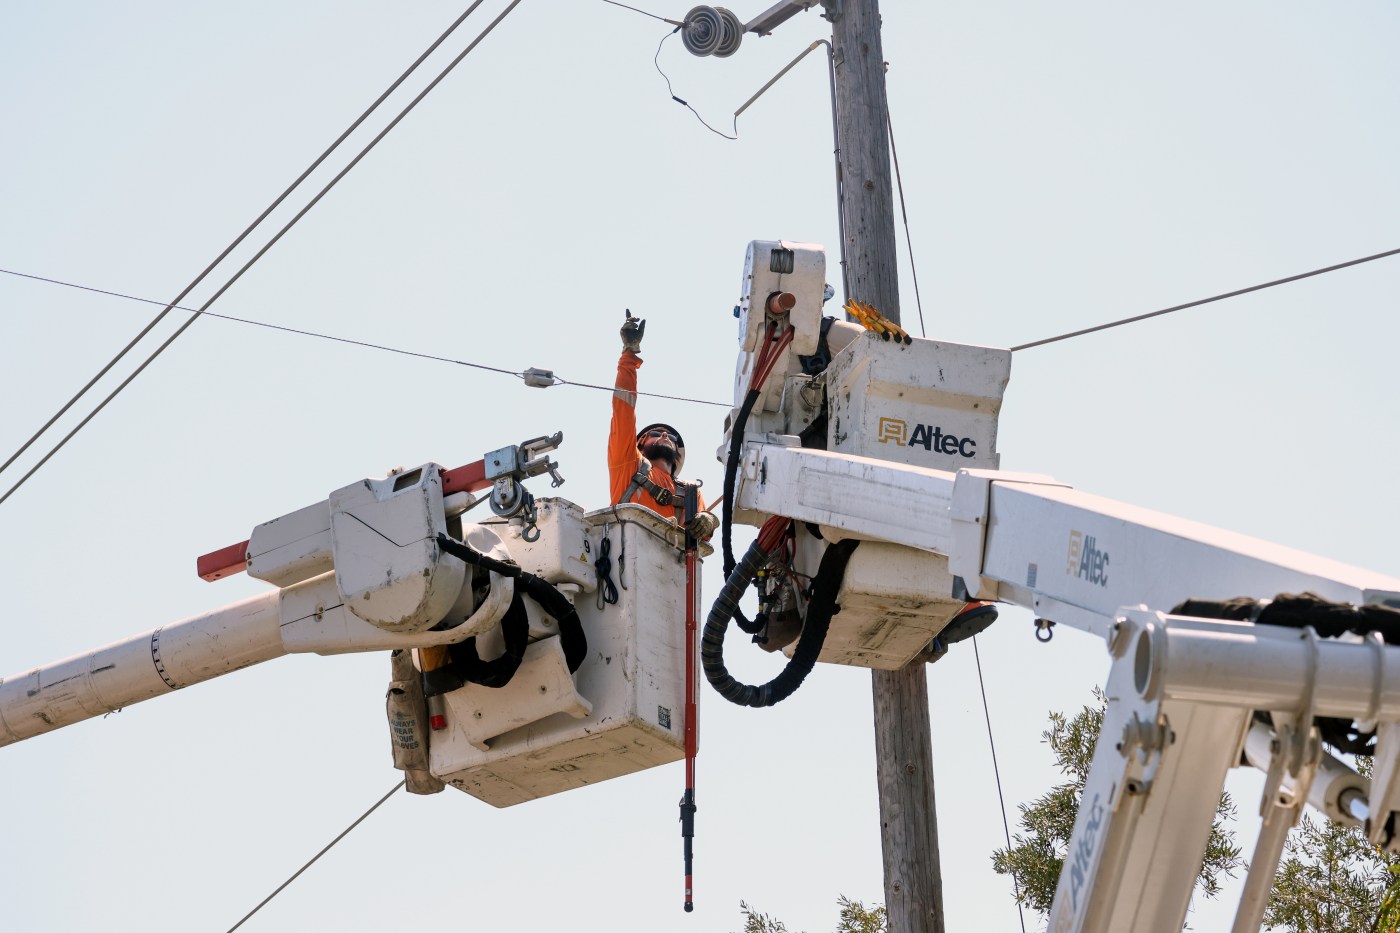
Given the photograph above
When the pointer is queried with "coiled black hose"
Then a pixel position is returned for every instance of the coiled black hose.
(554, 603)
(466, 665)
(804, 658)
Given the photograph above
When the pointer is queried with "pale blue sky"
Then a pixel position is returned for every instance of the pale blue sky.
(1065, 164)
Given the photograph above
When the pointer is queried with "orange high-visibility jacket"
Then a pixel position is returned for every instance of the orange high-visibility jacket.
(623, 456)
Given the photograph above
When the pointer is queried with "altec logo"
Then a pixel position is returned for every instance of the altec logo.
(1086, 560)
(927, 436)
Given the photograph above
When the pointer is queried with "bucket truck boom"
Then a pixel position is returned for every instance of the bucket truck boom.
(885, 444)
(534, 686)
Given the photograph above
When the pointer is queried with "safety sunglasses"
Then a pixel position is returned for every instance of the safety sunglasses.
(661, 432)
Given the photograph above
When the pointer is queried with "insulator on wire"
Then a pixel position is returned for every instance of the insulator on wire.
(733, 33)
(712, 30)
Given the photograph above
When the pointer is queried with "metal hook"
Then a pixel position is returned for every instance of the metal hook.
(1044, 630)
(532, 530)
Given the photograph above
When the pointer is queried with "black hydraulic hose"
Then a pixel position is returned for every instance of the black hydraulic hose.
(804, 658)
(553, 602)
(466, 665)
(731, 472)
(1330, 620)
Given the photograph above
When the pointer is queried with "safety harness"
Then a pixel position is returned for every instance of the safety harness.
(642, 480)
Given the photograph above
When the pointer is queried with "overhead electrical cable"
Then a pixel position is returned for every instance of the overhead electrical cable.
(303, 868)
(174, 302)
(1005, 826)
(348, 340)
(908, 242)
(981, 682)
(1203, 301)
(645, 13)
(270, 243)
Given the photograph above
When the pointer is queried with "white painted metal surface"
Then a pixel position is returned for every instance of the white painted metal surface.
(1045, 544)
(541, 687)
(292, 548)
(633, 679)
(926, 403)
(805, 280)
(147, 665)
(546, 731)
(894, 600)
(388, 567)
(1181, 697)
(1098, 554)
(850, 497)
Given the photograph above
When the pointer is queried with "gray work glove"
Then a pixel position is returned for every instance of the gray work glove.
(632, 332)
(702, 526)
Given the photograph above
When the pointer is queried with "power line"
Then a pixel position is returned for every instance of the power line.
(174, 302)
(1203, 301)
(908, 242)
(645, 13)
(981, 682)
(669, 398)
(348, 340)
(270, 243)
(303, 868)
(1005, 826)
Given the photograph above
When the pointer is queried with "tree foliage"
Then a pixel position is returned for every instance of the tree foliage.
(1037, 852)
(1330, 880)
(855, 917)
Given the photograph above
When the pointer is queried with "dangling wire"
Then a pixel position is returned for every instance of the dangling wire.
(656, 60)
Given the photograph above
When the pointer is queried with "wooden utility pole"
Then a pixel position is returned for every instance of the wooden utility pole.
(903, 746)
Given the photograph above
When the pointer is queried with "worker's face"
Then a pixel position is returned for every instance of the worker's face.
(659, 444)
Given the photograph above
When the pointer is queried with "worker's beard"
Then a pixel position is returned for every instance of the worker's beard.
(658, 452)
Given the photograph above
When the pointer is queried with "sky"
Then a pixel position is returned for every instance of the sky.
(1063, 165)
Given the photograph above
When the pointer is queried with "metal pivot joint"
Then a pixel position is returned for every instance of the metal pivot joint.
(508, 467)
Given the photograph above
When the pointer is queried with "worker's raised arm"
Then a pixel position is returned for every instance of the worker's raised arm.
(623, 456)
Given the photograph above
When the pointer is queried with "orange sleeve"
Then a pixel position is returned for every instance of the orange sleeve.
(623, 456)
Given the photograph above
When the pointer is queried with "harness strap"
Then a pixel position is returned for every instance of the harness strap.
(642, 480)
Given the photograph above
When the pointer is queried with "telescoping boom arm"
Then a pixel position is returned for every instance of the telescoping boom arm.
(887, 444)
(520, 665)
(1182, 691)
(359, 571)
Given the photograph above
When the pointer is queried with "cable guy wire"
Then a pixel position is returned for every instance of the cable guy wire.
(303, 868)
(1203, 301)
(347, 340)
(270, 243)
(174, 302)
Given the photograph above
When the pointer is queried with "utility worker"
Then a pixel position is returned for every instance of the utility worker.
(643, 466)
